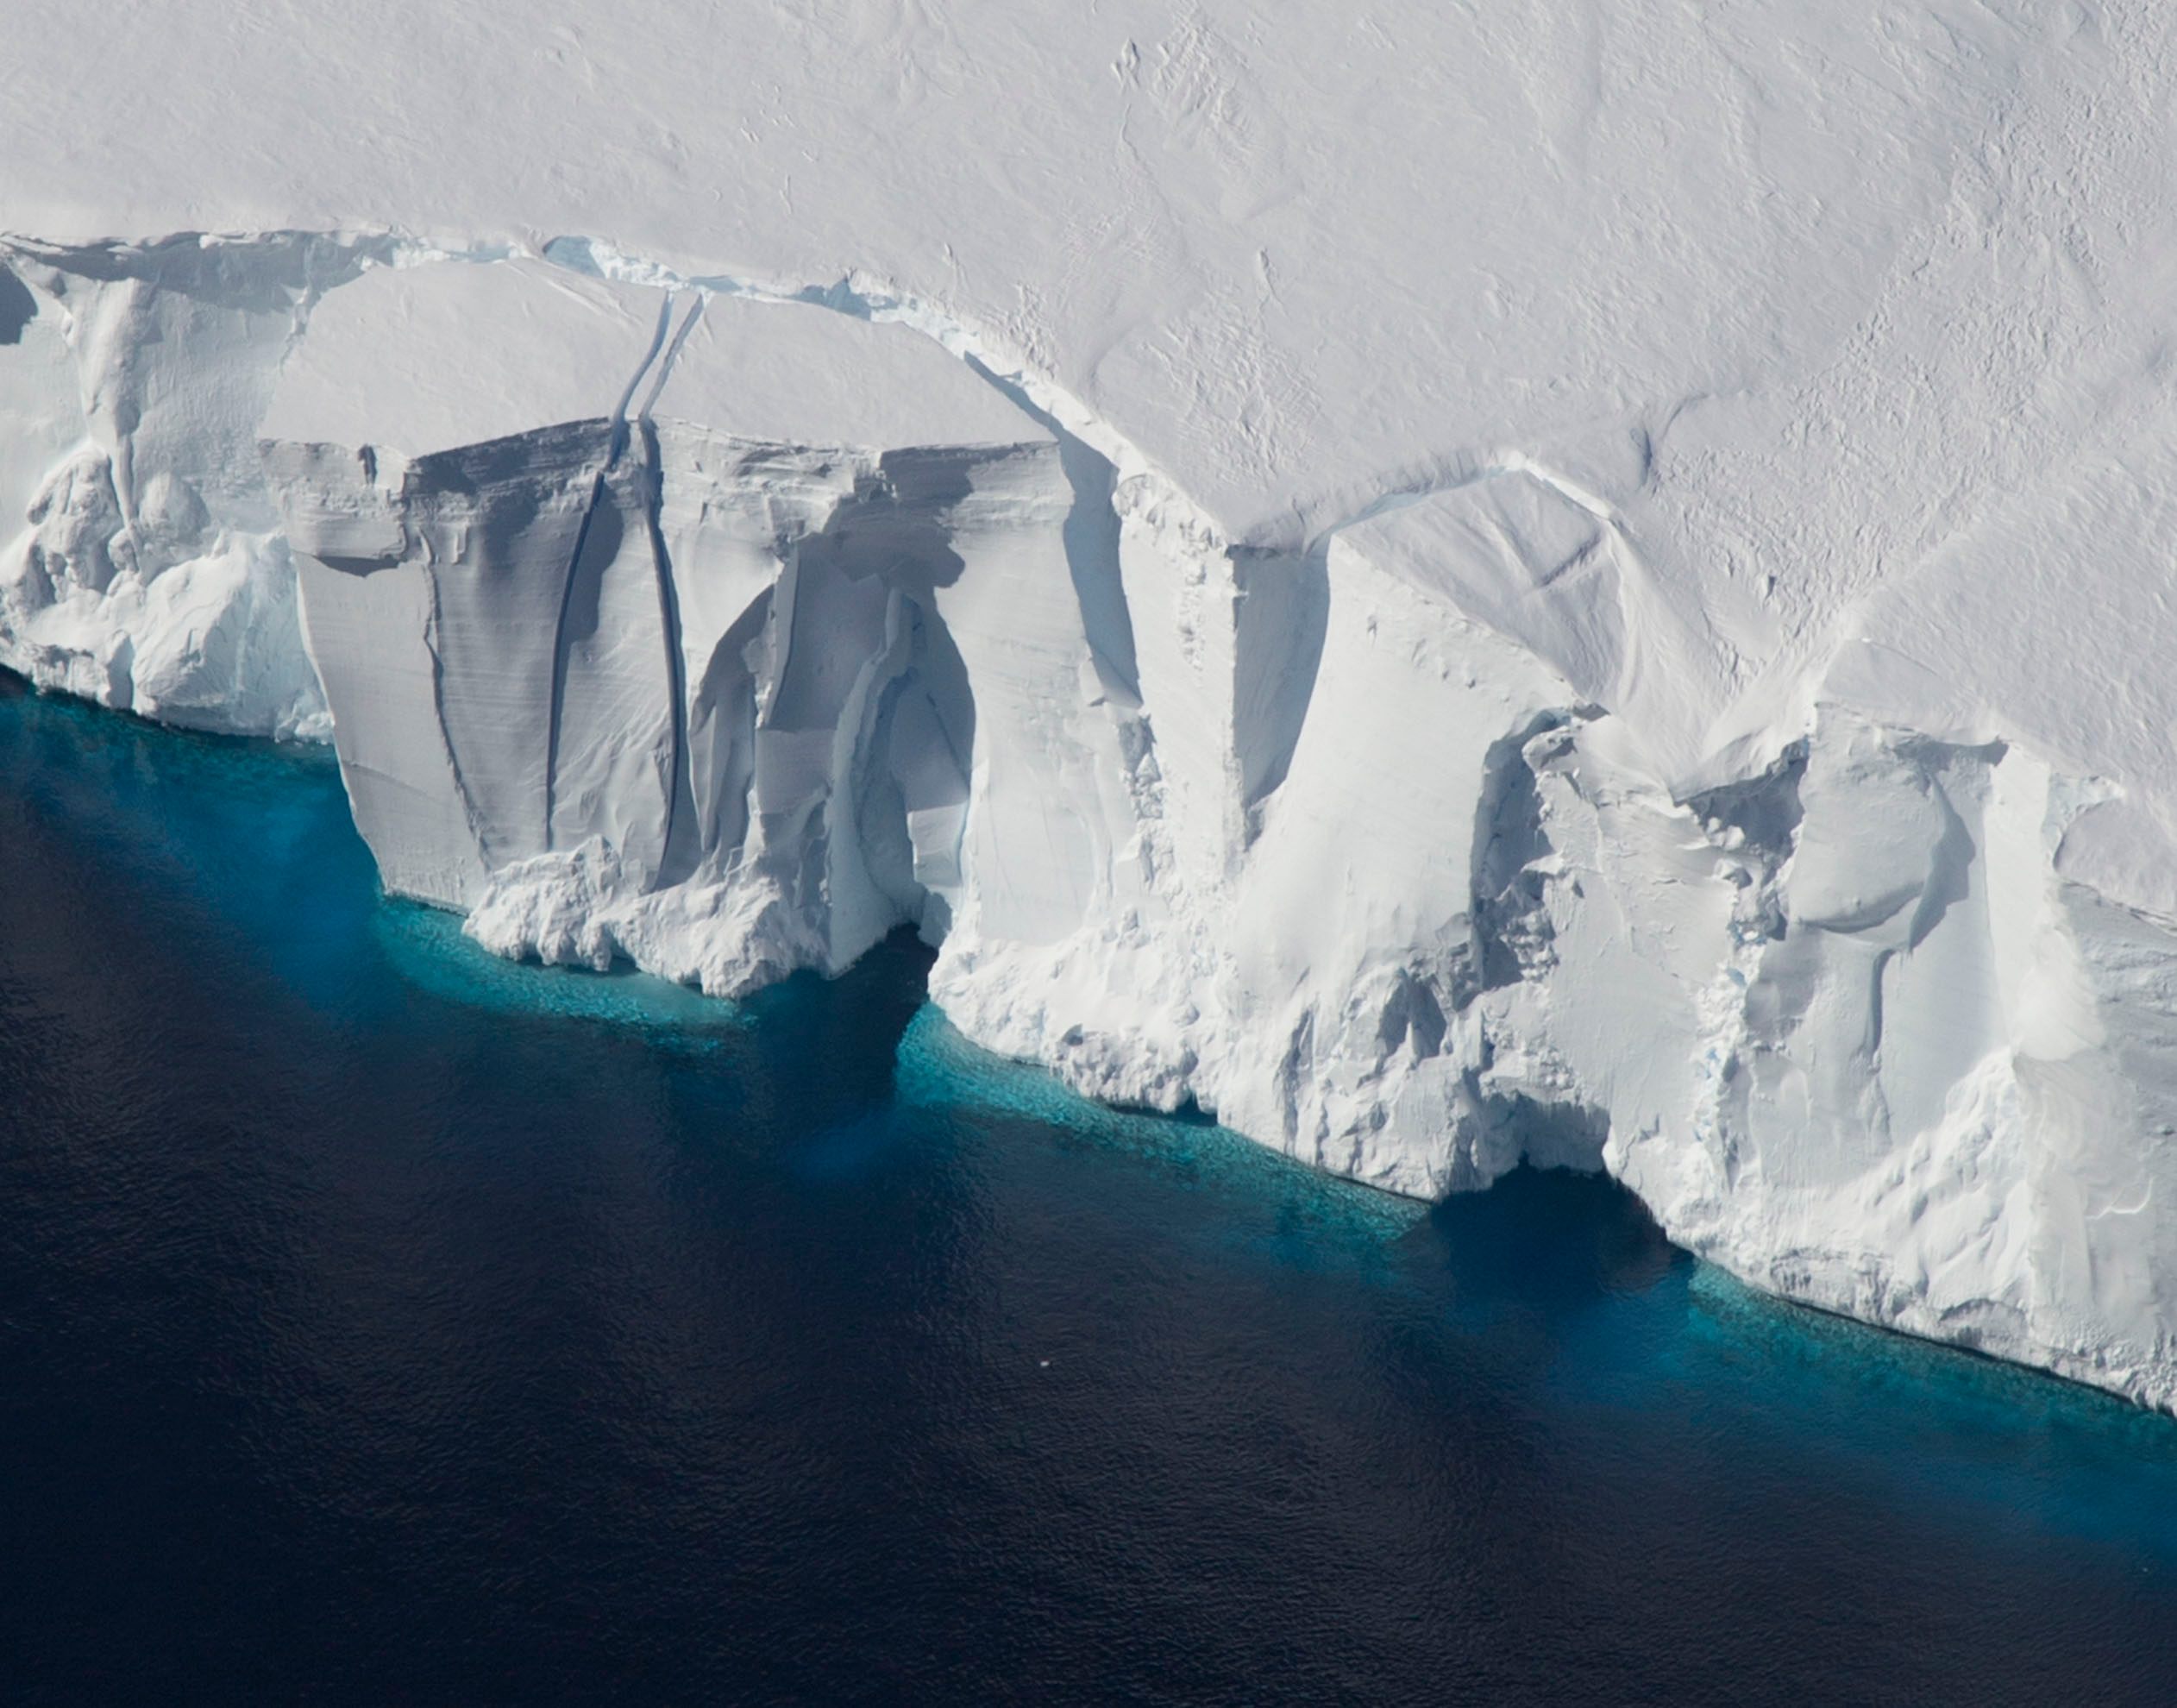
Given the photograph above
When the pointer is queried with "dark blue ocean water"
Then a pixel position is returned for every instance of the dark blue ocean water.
(379, 1322)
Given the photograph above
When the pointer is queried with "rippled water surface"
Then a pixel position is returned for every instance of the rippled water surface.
(382, 1322)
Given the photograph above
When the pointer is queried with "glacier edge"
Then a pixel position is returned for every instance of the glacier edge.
(1443, 837)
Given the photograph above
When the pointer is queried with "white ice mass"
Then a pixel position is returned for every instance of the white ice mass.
(1451, 583)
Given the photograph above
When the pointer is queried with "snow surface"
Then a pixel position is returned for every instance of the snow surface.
(1449, 583)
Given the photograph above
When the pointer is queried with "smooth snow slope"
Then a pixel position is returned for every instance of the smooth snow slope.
(1447, 582)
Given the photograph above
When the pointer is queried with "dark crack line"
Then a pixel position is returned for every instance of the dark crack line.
(599, 495)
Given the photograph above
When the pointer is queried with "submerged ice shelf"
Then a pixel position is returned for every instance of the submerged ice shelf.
(651, 619)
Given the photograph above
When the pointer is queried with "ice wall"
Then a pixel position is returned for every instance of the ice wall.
(726, 635)
(150, 573)
(730, 639)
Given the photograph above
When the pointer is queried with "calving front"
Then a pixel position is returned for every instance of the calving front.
(728, 635)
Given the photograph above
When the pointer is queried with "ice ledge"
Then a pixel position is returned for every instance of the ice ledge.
(1449, 833)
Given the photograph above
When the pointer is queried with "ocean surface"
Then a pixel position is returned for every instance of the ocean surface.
(382, 1322)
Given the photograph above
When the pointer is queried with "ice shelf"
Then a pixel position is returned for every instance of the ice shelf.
(1576, 585)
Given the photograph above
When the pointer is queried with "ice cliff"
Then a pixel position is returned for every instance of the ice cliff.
(1644, 651)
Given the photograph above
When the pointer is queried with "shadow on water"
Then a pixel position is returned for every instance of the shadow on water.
(382, 1320)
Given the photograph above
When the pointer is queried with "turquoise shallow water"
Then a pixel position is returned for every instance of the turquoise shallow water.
(379, 1320)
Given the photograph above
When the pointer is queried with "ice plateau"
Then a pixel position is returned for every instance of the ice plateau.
(1582, 583)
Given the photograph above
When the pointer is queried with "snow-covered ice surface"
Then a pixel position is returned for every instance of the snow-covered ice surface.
(1449, 583)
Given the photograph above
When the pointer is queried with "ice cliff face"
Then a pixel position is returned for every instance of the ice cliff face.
(152, 573)
(654, 620)
(733, 638)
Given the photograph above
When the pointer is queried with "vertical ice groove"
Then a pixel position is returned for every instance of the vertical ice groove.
(601, 493)
(599, 496)
(680, 846)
